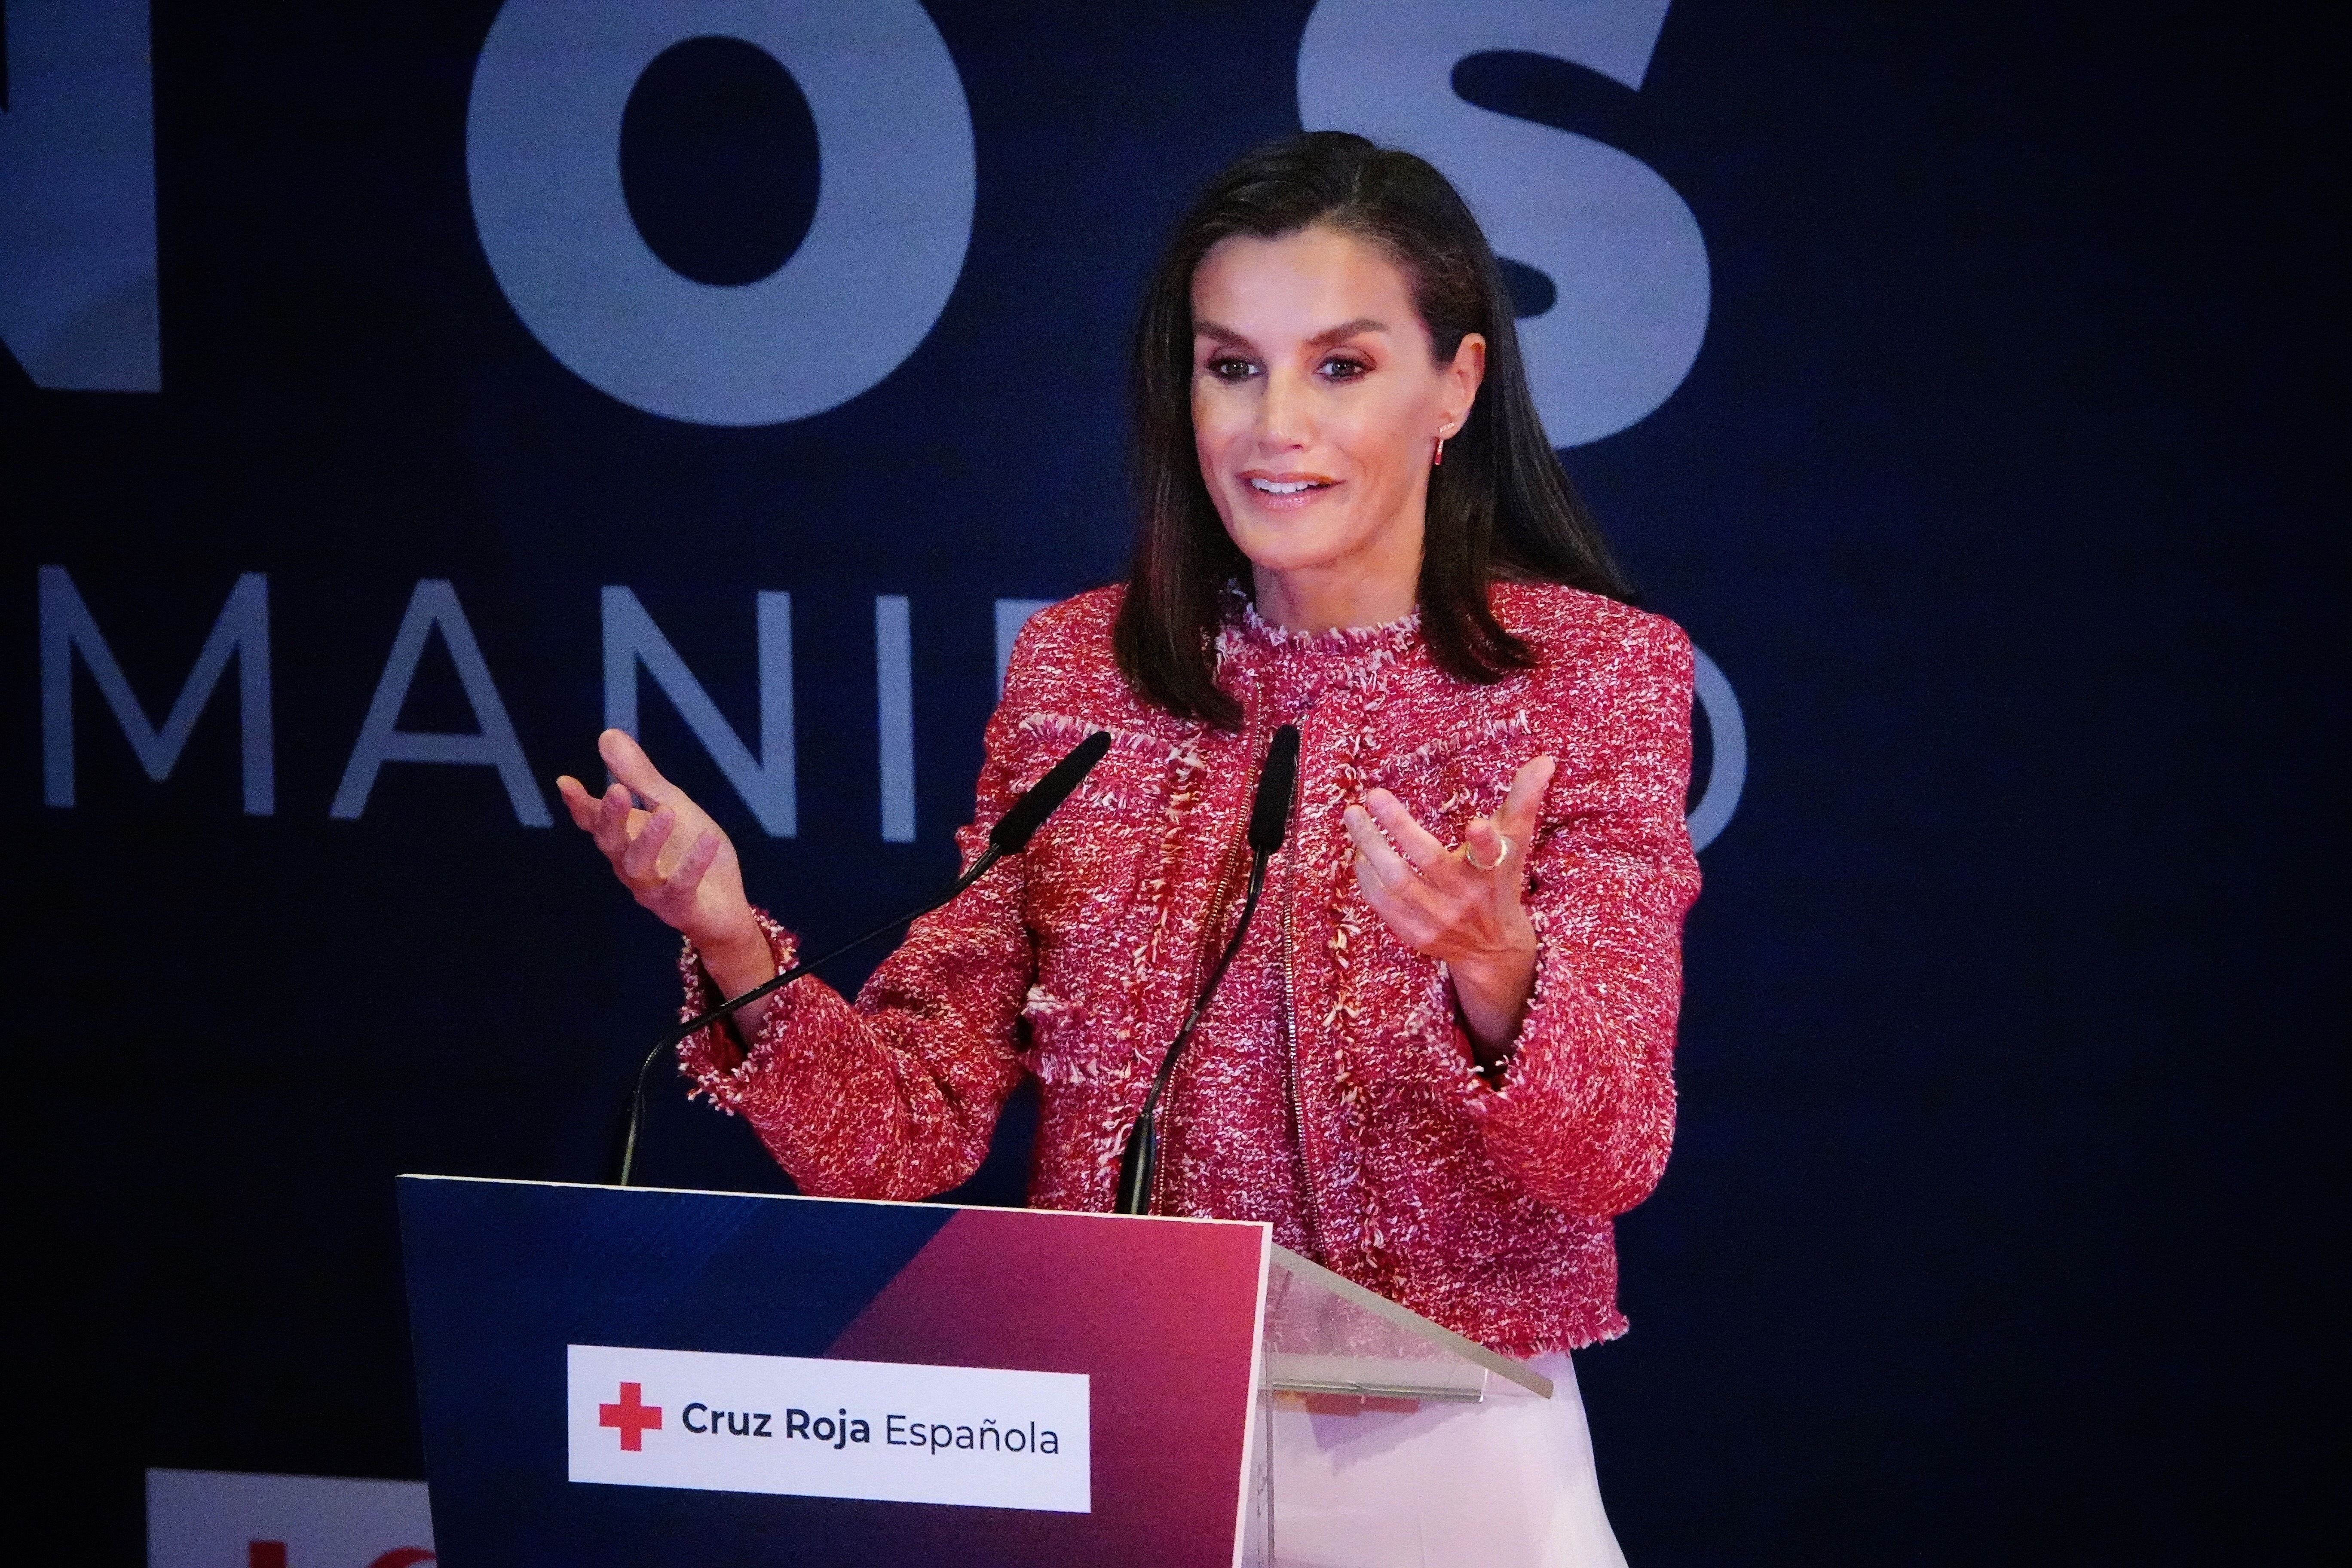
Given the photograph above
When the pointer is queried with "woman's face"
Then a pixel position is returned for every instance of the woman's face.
(1317, 406)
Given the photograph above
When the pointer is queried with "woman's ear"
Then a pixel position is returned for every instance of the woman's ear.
(1463, 378)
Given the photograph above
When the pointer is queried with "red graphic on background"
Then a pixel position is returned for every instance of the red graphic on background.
(632, 1416)
(272, 1554)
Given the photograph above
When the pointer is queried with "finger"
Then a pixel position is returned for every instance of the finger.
(1395, 891)
(698, 861)
(674, 898)
(578, 802)
(1423, 848)
(1522, 808)
(640, 861)
(612, 828)
(632, 767)
(1487, 847)
(1396, 905)
(616, 811)
(1375, 852)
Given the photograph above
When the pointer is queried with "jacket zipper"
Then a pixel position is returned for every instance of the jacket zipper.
(1206, 954)
(1290, 1050)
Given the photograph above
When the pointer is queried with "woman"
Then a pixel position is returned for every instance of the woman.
(1442, 1061)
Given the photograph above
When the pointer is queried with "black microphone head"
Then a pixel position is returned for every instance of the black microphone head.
(1270, 811)
(1011, 834)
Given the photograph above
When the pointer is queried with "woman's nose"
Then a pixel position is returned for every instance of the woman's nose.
(1284, 415)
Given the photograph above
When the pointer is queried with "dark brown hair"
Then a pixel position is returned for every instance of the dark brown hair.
(1499, 506)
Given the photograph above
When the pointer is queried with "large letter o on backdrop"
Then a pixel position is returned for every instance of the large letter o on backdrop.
(882, 254)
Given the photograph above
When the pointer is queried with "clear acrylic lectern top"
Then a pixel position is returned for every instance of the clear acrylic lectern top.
(1328, 1338)
(1331, 1348)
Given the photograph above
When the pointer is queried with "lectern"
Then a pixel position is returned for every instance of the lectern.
(630, 1375)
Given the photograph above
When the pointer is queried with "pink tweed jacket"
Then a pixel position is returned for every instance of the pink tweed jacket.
(1329, 1092)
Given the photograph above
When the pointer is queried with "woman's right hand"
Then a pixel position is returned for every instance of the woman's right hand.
(674, 860)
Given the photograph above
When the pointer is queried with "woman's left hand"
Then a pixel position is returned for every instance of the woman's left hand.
(1461, 906)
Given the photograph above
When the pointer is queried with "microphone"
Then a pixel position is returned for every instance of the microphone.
(1009, 837)
(1270, 810)
(1026, 814)
(1269, 819)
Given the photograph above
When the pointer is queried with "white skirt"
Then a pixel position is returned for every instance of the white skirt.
(1506, 1484)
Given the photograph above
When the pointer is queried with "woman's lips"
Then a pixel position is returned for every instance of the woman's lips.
(1285, 492)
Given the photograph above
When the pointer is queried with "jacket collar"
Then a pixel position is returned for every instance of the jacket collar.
(1333, 651)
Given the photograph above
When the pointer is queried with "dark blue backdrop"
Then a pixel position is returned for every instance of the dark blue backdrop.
(1995, 491)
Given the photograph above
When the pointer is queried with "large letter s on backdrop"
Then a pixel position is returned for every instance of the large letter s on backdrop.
(1620, 246)
(883, 252)
(1623, 250)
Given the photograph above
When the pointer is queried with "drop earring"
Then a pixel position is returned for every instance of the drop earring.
(1439, 461)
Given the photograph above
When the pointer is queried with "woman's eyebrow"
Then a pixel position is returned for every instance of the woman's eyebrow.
(1323, 339)
(1345, 330)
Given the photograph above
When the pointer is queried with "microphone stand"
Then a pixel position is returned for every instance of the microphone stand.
(1139, 1163)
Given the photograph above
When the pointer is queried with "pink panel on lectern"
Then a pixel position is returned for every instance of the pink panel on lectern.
(1162, 1314)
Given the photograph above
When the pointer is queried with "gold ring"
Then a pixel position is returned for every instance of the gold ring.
(1473, 859)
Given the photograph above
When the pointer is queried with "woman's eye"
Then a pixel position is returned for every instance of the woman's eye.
(1230, 369)
(1344, 369)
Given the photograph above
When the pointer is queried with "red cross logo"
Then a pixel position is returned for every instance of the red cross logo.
(632, 1416)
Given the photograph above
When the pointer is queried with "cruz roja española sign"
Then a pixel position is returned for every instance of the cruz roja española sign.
(882, 1431)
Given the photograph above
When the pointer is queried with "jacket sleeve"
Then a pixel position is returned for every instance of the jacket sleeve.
(1585, 1113)
(893, 1095)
